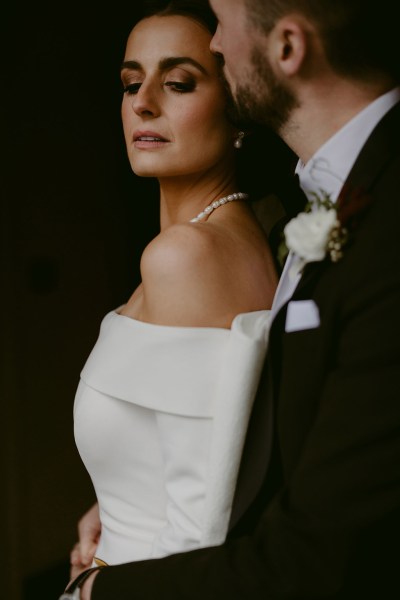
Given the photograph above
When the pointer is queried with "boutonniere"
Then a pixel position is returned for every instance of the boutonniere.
(315, 233)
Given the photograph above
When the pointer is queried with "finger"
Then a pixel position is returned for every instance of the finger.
(75, 555)
(76, 570)
(87, 551)
(78, 558)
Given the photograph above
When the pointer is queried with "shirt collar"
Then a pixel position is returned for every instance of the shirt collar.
(330, 166)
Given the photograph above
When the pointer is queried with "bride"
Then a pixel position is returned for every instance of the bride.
(161, 409)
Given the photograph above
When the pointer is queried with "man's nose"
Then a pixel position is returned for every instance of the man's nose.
(215, 44)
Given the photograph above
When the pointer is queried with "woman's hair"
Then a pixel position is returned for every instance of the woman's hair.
(199, 10)
(360, 37)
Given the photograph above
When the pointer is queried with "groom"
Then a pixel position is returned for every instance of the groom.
(317, 507)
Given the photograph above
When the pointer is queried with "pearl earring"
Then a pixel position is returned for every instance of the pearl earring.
(239, 140)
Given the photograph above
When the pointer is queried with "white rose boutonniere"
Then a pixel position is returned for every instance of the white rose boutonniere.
(307, 235)
(316, 233)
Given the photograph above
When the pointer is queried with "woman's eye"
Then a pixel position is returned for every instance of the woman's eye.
(132, 88)
(180, 86)
(177, 86)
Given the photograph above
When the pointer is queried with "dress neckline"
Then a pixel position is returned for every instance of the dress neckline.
(188, 328)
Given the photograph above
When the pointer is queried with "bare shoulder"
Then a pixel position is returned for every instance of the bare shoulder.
(204, 275)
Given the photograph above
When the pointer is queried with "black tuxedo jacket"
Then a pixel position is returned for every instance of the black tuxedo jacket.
(317, 507)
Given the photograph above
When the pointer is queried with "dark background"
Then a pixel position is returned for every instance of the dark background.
(74, 220)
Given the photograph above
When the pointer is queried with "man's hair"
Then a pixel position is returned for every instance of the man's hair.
(360, 37)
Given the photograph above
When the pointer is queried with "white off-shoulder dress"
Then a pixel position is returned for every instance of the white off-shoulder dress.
(160, 417)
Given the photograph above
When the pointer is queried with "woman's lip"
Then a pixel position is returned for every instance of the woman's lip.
(147, 144)
(148, 136)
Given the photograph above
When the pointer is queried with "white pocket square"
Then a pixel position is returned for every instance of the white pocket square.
(300, 315)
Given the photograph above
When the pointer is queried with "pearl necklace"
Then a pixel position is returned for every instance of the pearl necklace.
(209, 209)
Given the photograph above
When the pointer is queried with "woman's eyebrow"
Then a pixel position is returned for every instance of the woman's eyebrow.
(174, 61)
(165, 64)
(131, 65)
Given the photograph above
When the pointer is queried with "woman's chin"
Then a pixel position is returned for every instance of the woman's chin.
(153, 171)
(145, 171)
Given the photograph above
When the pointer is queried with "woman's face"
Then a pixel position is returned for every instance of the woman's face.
(173, 109)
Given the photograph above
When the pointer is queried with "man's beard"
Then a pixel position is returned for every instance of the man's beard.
(263, 99)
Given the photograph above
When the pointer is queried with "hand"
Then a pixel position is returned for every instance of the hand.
(89, 528)
(86, 589)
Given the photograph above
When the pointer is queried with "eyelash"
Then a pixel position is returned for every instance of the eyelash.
(176, 86)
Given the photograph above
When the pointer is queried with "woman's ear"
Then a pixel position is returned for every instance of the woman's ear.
(288, 45)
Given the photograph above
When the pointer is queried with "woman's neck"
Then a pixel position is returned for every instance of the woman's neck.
(182, 199)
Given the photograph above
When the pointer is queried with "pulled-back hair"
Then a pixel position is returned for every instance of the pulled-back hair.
(199, 10)
(360, 37)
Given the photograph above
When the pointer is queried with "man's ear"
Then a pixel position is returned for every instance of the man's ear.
(288, 45)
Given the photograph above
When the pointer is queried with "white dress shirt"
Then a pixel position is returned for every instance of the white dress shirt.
(328, 169)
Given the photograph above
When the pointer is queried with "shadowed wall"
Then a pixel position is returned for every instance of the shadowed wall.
(74, 221)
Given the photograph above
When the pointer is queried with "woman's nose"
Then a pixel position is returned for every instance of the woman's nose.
(146, 101)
